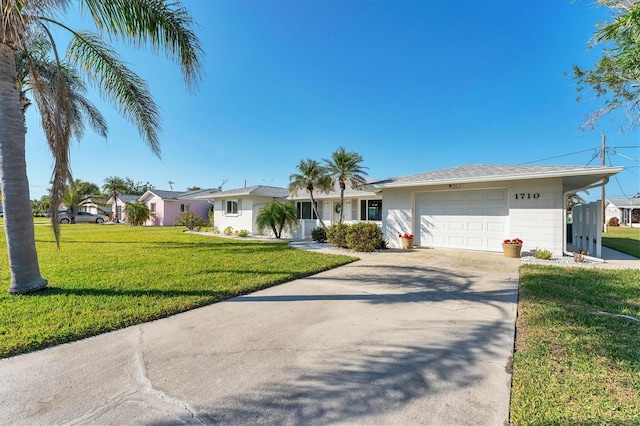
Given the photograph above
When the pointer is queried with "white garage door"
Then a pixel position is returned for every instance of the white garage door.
(475, 220)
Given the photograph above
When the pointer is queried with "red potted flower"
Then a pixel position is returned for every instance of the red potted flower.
(407, 240)
(512, 248)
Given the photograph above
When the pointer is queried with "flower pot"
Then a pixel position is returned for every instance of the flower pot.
(512, 250)
(407, 243)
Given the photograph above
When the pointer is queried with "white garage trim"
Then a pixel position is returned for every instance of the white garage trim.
(472, 220)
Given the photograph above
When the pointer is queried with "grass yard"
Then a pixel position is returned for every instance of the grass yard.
(572, 364)
(106, 277)
(622, 238)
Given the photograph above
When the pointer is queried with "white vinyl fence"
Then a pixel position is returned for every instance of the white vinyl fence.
(587, 228)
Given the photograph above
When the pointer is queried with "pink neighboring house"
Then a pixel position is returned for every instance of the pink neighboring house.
(165, 206)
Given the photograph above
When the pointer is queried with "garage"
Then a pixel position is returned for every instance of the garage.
(472, 220)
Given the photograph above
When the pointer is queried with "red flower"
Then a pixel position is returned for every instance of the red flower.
(405, 235)
(514, 241)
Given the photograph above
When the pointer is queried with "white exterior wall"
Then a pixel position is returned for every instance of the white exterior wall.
(243, 220)
(538, 220)
(612, 211)
(397, 215)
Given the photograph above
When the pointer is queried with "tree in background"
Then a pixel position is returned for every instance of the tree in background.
(277, 216)
(312, 176)
(344, 168)
(136, 188)
(616, 76)
(114, 186)
(137, 213)
(162, 25)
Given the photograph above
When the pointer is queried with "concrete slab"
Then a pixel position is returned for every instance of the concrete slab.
(402, 337)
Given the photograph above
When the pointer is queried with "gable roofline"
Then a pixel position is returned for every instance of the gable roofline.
(475, 173)
(255, 190)
(624, 202)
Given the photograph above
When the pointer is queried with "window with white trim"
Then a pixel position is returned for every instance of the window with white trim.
(305, 211)
(152, 207)
(231, 207)
(371, 210)
(185, 208)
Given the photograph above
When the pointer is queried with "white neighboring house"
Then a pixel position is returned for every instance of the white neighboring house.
(117, 206)
(627, 210)
(359, 206)
(96, 206)
(238, 208)
(476, 207)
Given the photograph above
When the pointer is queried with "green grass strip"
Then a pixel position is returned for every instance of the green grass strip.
(573, 364)
(107, 277)
(623, 239)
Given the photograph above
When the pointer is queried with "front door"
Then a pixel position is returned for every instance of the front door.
(336, 212)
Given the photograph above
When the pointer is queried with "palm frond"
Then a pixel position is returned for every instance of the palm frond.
(126, 90)
(162, 25)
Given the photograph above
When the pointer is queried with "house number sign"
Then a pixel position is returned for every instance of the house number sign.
(527, 196)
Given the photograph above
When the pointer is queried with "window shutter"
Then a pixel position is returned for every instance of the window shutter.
(239, 207)
(354, 209)
(319, 205)
(223, 204)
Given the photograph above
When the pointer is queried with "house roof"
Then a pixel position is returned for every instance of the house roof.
(125, 198)
(257, 190)
(624, 202)
(176, 195)
(349, 192)
(576, 177)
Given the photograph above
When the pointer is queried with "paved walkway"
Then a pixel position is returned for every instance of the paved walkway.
(420, 337)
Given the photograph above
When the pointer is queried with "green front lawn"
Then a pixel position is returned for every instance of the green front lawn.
(575, 363)
(622, 238)
(106, 277)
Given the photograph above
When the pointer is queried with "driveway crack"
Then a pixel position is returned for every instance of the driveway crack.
(147, 386)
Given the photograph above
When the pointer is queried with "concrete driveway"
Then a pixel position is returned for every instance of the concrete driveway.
(419, 337)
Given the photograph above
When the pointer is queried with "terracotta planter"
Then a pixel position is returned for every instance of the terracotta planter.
(512, 250)
(407, 243)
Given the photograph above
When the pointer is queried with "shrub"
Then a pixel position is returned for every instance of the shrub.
(136, 213)
(319, 235)
(191, 221)
(542, 254)
(211, 216)
(364, 236)
(242, 233)
(228, 230)
(337, 235)
(614, 221)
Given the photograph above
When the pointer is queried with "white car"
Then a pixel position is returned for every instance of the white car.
(83, 217)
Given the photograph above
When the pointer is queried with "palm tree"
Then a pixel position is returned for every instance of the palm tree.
(114, 186)
(312, 176)
(137, 213)
(75, 195)
(160, 24)
(277, 215)
(344, 168)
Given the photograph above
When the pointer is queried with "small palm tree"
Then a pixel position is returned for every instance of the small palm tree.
(114, 186)
(344, 168)
(312, 176)
(137, 213)
(277, 216)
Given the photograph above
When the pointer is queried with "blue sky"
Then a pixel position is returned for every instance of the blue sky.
(412, 86)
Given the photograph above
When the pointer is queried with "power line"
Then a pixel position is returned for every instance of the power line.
(616, 178)
(563, 155)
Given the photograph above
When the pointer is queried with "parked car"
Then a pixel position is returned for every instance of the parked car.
(83, 217)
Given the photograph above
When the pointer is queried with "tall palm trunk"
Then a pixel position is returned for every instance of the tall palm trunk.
(315, 209)
(343, 186)
(18, 222)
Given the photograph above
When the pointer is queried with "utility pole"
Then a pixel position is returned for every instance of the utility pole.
(602, 152)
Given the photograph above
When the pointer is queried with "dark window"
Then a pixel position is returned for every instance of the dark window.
(305, 211)
(371, 210)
